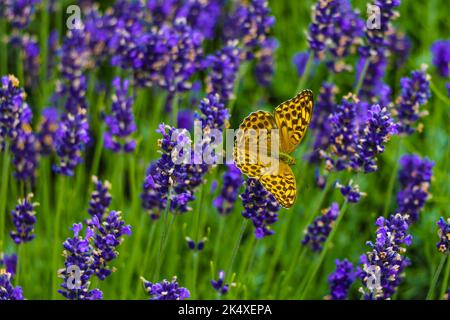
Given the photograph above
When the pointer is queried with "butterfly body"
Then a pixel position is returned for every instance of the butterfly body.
(288, 159)
(265, 141)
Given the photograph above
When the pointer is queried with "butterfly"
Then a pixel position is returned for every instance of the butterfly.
(264, 139)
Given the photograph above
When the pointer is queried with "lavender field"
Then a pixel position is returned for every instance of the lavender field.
(99, 99)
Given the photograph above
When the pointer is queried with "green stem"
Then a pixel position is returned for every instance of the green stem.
(392, 180)
(3, 48)
(362, 76)
(56, 240)
(311, 274)
(439, 94)
(3, 195)
(430, 294)
(43, 43)
(164, 230)
(306, 72)
(236, 247)
(19, 267)
(300, 252)
(445, 284)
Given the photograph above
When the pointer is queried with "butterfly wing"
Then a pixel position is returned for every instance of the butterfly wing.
(252, 153)
(281, 184)
(292, 119)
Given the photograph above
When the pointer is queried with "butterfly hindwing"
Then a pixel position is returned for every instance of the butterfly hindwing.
(252, 145)
(292, 118)
(281, 184)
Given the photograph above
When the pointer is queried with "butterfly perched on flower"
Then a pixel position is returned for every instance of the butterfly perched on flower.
(264, 143)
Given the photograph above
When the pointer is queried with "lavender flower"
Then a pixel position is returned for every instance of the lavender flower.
(185, 119)
(200, 15)
(167, 56)
(108, 235)
(46, 133)
(444, 235)
(77, 270)
(223, 67)
(441, 56)
(196, 246)
(415, 177)
(260, 206)
(219, 285)
(164, 176)
(318, 232)
(399, 45)
(75, 59)
(378, 37)
(24, 220)
(351, 192)
(320, 125)
(28, 48)
(343, 135)
(7, 290)
(19, 13)
(383, 266)
(264, 69)
(357, 139)
(373, 86)
(251, 24)
(373, 136)
(100, 198)
(166, 290)
(14, 111)
(71, 139)
(25, 149)
(232, 181)
(335, 29)
(341, 279)
(8, 264)
(415, 93)
(300, 59)
(121, 121)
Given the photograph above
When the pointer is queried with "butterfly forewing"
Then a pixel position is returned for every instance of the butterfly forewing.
(252, 149)
(292, 118)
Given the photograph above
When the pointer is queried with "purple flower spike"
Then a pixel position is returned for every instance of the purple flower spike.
(166, 290)
(223, 67)
(351, 192)
(77, 270)
(334, 30)
(383, 266)
(260, 206)
(444, 235)
(71, 139)
(414, 94)
(14, 111)
(232, 181)
(100, 198)
(441, 56)
(121, 122)
(318, 232)
(341, 279)
(7, 290)
(24, 220)
(47, 131)
(19, 13)
(415, 177)
(219, 285)
(9, 263)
